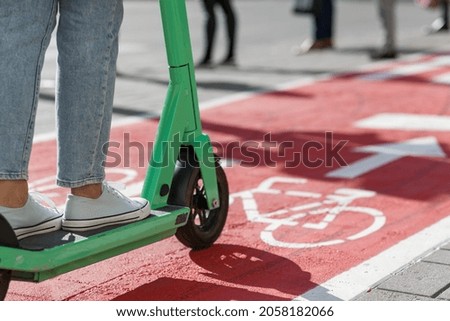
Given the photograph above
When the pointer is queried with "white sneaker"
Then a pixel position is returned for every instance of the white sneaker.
(33, 218)
(111, 208)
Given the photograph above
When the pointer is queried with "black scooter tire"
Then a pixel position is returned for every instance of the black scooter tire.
(204, 226)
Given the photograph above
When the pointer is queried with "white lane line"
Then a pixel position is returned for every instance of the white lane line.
(443, 79)
(408, 70)
(362, 277)
(403, 121)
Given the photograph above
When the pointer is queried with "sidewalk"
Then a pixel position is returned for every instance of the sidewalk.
(426, 279)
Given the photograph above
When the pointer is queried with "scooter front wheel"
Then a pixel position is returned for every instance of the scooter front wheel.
(204, 226)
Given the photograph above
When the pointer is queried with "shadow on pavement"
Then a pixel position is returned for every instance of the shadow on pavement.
(236, 272)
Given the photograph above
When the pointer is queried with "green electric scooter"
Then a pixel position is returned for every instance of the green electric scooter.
(185, 185)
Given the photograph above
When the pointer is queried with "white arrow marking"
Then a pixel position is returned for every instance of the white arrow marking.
(387, 153)
(401, 121)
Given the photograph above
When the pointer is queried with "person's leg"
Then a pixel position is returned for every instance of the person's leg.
(231, 30)
(322, 29)
(87, 41)
(25, 31)
(210, 30)
(324, 21)
(387, 15)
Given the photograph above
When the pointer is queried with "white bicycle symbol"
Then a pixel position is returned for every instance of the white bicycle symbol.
(330, 208)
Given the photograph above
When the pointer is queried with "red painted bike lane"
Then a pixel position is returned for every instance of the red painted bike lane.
(297, 217)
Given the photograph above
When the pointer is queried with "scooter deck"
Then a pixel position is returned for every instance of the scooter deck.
(57, 238)
(41, 257)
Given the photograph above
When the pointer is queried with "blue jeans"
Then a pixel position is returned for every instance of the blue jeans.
(323, 22)
(87, 42)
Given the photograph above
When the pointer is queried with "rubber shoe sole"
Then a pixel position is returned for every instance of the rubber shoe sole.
(42, 228)
(96, 223)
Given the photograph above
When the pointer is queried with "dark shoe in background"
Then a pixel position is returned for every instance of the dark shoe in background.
(383, 54)
(228, 62)
(204, 64)
(309, 45)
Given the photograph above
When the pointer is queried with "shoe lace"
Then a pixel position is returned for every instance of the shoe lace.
(114, 187)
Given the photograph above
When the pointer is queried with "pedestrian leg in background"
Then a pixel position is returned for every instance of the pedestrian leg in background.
(441, 23)
(323, 29)
(210, 31)
(388, 20)
(231, 31)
